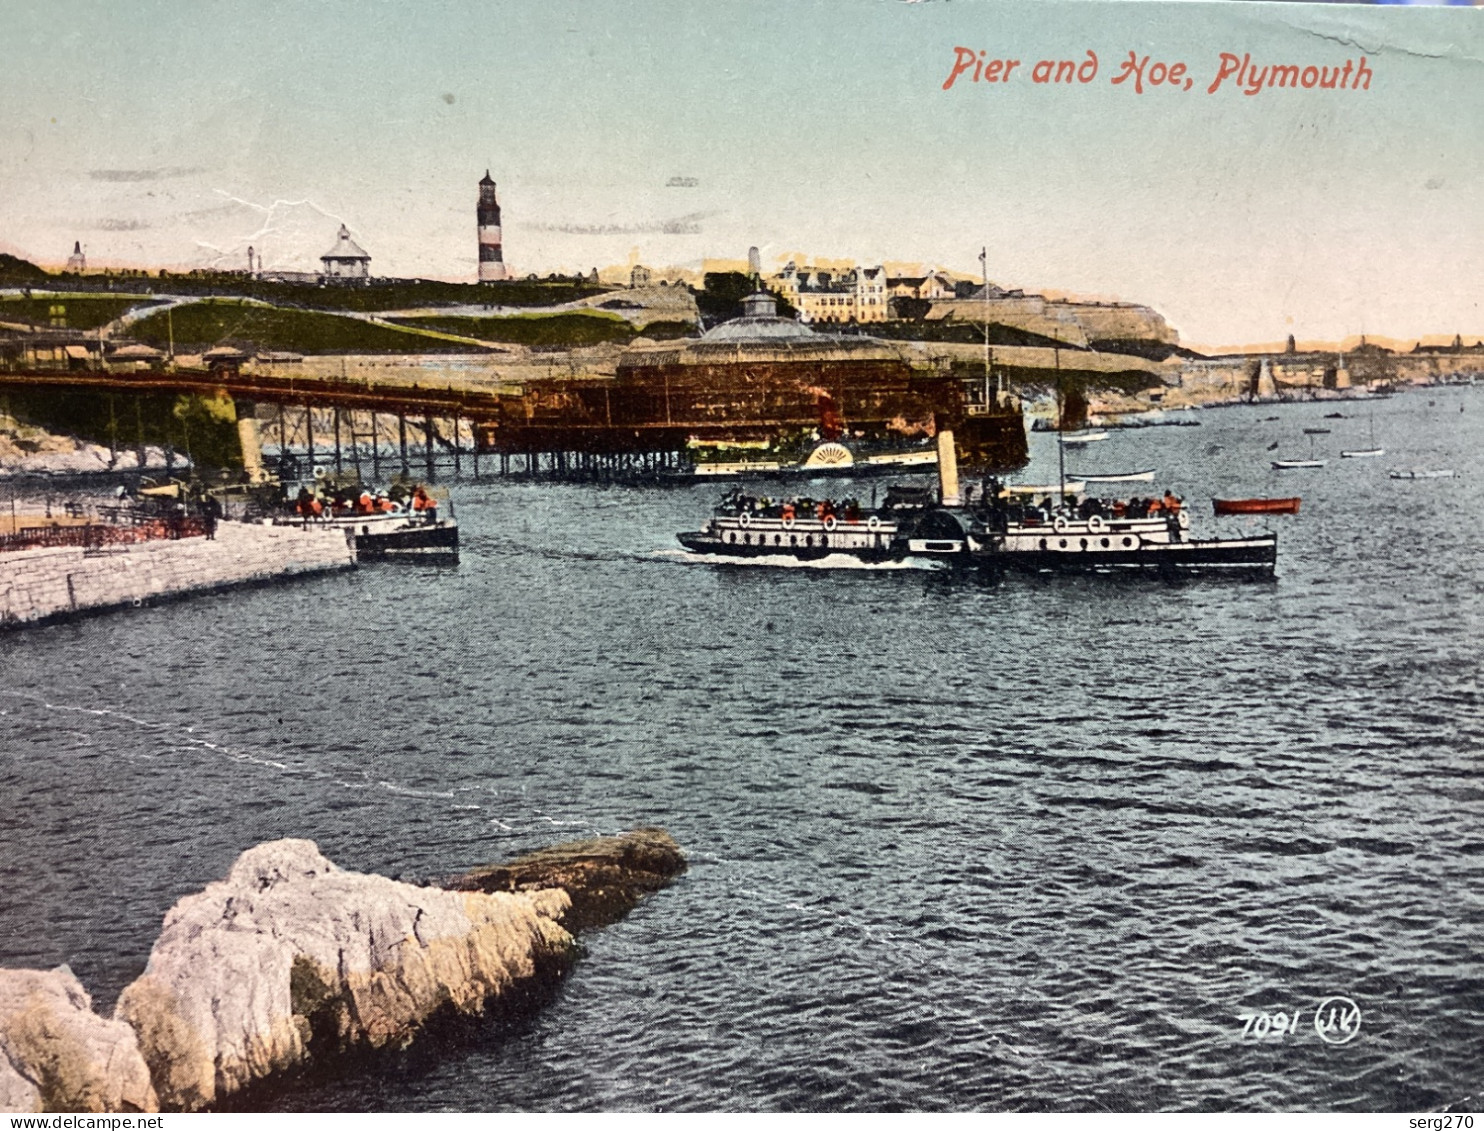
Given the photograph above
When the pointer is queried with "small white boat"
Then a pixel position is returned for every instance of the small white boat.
(1363, 453)
(1422, 473)
(1123, 477)
(1055, 490)
(1075, 438)
(1293, 464)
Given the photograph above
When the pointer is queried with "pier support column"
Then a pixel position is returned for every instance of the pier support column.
(309, 438)
(338, 461)
(375, 448)
(355, 444)
(428, 448)
(402, 439)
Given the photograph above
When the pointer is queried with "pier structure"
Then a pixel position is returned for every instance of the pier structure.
(753, 381)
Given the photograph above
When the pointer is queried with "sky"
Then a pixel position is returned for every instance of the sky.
(162, 135)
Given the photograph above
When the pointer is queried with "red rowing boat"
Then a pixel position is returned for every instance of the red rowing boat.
(1256, 506)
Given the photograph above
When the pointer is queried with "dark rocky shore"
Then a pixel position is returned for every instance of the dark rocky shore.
(291, 963)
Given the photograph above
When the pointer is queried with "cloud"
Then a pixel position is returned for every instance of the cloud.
(127, 176)
(688, 225)
(121, 225)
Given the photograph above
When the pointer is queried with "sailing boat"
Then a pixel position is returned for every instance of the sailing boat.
(1365, 453)
(1292, 464)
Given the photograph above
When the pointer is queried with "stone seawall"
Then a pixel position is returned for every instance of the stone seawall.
(44, 584)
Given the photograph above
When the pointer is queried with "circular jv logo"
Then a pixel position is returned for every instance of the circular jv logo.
(1337, 1020)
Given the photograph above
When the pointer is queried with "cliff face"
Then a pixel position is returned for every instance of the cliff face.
(56, 1054)
(1076, 323)
(290, 957)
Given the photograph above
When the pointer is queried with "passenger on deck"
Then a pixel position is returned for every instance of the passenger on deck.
(1155, 507)
(1120, 509)
(365, 504)
(1171, 502)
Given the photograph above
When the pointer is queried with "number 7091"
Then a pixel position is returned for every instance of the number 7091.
(1263, 1026)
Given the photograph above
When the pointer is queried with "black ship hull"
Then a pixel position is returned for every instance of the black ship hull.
(414, 541)
(1242, 558)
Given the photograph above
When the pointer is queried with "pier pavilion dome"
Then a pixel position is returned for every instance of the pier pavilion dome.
(760, 336)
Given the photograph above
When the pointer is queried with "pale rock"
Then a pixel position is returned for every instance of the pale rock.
(56, 1054)
(291, 957)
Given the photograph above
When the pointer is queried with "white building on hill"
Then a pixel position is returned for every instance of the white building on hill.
(346, 260)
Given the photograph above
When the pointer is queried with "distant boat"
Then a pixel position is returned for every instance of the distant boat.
(1082, 437)
(1256, 506)
(1334, 416)
(1291, 464)
(1316, 431)
(1365, 453)
(1421, 473)
(1124, 477)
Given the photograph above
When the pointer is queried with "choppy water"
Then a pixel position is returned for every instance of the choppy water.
(1034, 845)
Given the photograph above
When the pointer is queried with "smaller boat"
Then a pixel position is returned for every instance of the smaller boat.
(1256, 506)
(1423, 473)
(1316, 431)
(1365, 453)
(1120, 477)
(1075, 438)
(1055, 490)
(1334, 416)
(1293, 464)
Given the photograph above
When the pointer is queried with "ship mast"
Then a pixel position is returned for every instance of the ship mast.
(1061, 428)
(984, 263)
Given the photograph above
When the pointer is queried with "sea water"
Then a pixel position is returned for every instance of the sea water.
(1042, 844)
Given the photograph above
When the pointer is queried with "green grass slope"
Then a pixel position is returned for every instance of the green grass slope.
(201, 325)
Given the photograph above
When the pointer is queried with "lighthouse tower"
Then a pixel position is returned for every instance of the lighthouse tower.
(491, 258)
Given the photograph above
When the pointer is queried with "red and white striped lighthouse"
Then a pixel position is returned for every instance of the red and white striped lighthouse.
(491, 257)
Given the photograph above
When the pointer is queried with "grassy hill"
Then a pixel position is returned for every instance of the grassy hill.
(586, 328)
(201, 325)
(79, 312)
(17, 271)
(377, 296)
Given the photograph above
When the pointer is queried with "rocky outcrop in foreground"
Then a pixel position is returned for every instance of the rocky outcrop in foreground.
(605, 876)
(56, 1054)
(291, 958)
(291, 961)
